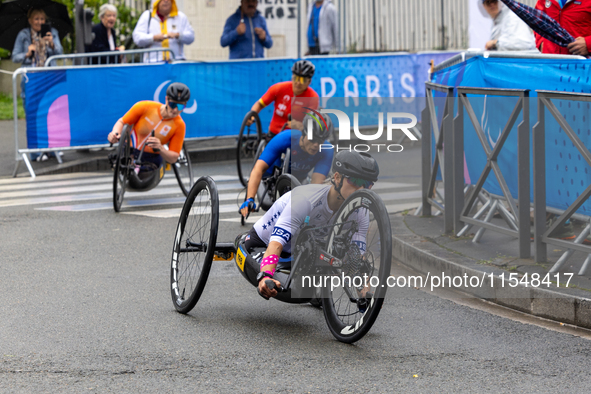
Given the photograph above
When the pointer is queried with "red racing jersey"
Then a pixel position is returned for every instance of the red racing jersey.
(281, 93)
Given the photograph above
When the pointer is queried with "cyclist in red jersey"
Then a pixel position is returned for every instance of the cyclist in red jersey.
(281, 93)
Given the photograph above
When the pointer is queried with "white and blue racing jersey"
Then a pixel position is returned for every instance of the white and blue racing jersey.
(284, 219)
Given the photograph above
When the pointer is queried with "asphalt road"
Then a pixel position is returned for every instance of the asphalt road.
(85, 306)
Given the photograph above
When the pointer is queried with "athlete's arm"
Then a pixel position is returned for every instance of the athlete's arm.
(114, 135)
(318, 178)
(257, 107)
(254, 181)
(274, 248)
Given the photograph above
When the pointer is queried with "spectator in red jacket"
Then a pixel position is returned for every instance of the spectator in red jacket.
(575, 17)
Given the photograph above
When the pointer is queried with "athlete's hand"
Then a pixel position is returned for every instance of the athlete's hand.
(247, 207)
(250, 121)
(295, 125)
(113, 137)
(154, 143)
(265, 291)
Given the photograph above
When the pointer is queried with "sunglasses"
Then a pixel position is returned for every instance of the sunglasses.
(178, 106)
(358, 182)
(302, 80)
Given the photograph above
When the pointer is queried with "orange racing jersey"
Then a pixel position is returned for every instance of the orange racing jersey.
(145, 117)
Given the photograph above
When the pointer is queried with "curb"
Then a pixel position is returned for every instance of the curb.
(102, 163)
(425, 256)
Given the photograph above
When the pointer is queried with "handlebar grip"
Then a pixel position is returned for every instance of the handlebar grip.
(271, 285)
(154, 149)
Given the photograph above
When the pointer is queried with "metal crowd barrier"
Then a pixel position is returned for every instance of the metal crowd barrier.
(462, 57)
(518, 218)
(542, 236)
(461, 205)
(76, 60)
(443, 136)
(128, 56)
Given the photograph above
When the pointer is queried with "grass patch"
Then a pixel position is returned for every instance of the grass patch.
(6, 110)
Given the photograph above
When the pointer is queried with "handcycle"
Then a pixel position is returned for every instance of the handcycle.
(350, 308)
(127, 170)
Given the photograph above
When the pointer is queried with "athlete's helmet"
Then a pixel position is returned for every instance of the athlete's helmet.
(303, 68)
(320, 131)
(357, 165)
(178, 92)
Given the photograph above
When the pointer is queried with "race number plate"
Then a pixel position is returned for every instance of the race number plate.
(240, 259)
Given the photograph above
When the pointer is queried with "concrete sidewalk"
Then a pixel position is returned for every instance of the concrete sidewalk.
(215, 149)
(419, 244)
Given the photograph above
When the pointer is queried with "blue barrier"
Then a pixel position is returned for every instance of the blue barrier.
(78, 106)
(567, 172)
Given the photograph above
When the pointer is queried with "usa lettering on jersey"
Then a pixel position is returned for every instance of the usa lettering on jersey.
(280, 232)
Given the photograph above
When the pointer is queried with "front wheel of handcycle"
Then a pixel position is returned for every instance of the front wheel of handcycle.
(183, 171)
(194, 244)
(285, 183)
(247, 150)
(351, 308)
(122, 168)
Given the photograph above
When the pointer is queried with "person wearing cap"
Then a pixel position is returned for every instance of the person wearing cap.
(246, 32)
(163, 26)
(315, 205)
(509, 32)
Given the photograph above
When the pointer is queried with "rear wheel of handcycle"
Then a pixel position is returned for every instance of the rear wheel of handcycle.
(194, 244)
(285, 183)
(184, 171)
(122, 168)
(248, 145)
(352, 307)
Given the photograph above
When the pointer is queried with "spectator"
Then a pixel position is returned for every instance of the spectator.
(164, 26)
(323, 28)
(574, 17)
(509, 32)
(32, 49)
(248, 37)
(105, 39)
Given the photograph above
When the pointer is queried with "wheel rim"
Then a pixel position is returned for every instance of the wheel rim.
(184, 171)
(189, 266)
(248, 144)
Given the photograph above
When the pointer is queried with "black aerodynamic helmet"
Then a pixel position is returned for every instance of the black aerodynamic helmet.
(320, 130)
(357, 165)
(178, 92)
(303, 68)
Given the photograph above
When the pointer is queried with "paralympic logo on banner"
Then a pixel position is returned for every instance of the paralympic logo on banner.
(189, 110)
(345, 130)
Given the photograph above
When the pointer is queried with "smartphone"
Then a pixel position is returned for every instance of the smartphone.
(45, 28)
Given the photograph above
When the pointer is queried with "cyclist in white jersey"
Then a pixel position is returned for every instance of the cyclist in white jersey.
(281, 223)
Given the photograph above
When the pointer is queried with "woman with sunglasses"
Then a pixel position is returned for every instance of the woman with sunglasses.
(155, 125)
(313, 205)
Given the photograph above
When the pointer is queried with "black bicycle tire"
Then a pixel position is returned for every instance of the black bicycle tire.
(186, 304)
(187, 158)
(244, 177)
(122, 149)
(285, 180)
(339, 330)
